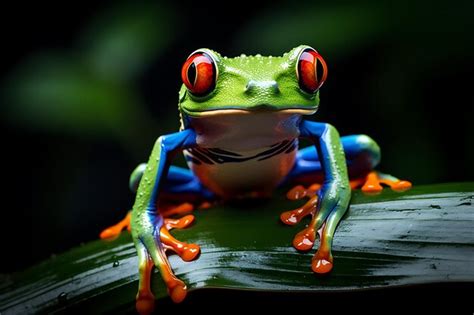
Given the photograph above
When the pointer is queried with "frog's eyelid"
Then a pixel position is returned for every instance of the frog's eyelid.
(301, 50)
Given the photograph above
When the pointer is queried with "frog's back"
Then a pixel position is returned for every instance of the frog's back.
(240, 153)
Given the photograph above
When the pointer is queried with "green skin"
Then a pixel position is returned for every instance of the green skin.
(234, 74)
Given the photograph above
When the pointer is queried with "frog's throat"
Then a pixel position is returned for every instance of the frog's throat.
(253, 110)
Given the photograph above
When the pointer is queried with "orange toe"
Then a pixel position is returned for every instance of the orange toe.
(113, 231)
(374, 180)
(186, 251)
(294, 216)
(372, 183)
(299, 192)
(178, 291)
(296, 193)
(145, 304)
(401, 185)
(180, 223)
(290, 217)
(190, 252)
(372, 188)
(322, 265)
(110, 232)
(304, 240)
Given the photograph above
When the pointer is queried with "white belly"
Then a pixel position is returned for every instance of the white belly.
(244, 154)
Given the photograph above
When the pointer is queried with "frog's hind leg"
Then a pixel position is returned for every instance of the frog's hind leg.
(181, 185)
(362, 156)
(371, 183)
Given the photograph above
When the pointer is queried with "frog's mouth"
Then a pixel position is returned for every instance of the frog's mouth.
(251, 110)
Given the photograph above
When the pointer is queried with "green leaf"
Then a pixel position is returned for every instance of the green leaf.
(392, 239)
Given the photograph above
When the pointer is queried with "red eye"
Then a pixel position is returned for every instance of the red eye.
(199, 74)
(312, 70)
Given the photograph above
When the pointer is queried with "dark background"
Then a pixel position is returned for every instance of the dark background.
(86, 89)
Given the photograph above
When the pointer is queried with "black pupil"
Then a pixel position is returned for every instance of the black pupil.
(319, 71)
(192, 73)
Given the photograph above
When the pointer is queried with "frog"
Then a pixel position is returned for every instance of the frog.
(241, 120)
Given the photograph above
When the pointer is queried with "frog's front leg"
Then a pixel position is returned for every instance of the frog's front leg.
(332, 200)
(150, 229)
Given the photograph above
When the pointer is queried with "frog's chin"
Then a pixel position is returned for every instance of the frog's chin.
(253, 110)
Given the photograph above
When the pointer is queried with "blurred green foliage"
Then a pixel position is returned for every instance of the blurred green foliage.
(91, 90)
(90, 111)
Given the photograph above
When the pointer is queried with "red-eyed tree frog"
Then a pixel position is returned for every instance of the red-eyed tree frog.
(241, 119)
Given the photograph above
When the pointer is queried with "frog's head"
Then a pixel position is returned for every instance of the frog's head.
(219, 85)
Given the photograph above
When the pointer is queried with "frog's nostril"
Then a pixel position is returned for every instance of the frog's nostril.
(274, 86)
(253, 86)
(250, 86)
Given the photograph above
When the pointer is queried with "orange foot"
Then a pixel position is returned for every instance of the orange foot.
(145, 301)
(296, 193)
(186, 251)
(304, 240)
(166, 210)
(113, 231)
(322, 261)
(371, 184)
